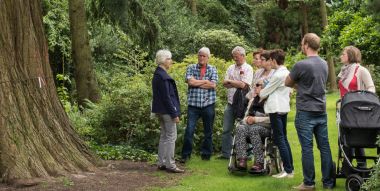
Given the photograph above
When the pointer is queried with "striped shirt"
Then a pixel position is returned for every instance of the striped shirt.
(200, 97)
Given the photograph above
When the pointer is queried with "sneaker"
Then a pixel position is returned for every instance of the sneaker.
(283, 174)
(328, 187)
(303, 187)
(175, 170)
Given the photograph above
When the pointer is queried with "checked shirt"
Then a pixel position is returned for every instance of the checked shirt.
(200, 97)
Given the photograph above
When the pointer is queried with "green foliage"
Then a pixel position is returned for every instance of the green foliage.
(373, 183)
(114, 51)
(134, 20)
(214, 13)
(122, 152)
(57, 28)
(362, 33)
(177, 26)
(220, 42)
(63, 92)
(242, 18)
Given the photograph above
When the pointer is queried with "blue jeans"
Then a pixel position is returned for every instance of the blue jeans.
(228, 126)
(307, 124)
(193, 114)
(278, 124)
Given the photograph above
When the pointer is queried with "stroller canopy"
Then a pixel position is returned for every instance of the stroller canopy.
(360, 109)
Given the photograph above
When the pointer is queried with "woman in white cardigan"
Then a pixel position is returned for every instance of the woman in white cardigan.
(277, 106)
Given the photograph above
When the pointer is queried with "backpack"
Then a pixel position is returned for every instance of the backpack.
(240, 102)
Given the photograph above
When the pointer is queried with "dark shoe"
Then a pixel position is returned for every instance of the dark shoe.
(183, 160)
(162, 167)
(175, 170)
(257, 167)
(326, 187)
(242, 164)
(205, 157)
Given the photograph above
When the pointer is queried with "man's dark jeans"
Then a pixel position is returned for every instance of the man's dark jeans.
(307, 124)
(193, 114)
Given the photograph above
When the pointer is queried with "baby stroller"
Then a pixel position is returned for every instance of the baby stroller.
(359, 126)
(272, 159)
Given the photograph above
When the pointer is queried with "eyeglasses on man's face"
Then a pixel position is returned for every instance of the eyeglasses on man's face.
(259, 85)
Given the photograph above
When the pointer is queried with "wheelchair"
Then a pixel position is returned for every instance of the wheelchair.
(272, 159)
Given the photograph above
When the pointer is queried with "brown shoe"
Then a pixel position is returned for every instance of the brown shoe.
(175, 170)
(242, 163)
(257, 167)
(161, 167)
(303, 187)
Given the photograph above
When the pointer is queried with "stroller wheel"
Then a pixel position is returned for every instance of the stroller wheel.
(353, 182)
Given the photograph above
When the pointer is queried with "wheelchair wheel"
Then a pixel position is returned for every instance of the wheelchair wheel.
(276, 161)
(354, 182)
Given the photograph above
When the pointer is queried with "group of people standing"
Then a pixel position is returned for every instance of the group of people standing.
(269, 93)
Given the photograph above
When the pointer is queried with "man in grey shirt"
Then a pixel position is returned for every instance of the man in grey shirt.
(309, 77)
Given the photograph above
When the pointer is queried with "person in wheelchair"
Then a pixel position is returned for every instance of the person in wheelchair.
(254, 126)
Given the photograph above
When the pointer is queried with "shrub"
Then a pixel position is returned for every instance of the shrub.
(220, 42)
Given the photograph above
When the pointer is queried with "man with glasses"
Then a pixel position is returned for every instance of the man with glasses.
(309, 77)
(238, 75)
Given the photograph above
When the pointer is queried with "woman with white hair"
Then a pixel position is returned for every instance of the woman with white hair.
(166, 106)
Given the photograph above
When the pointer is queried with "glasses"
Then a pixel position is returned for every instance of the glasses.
(259, 85)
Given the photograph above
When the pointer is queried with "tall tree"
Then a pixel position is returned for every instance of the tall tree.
(86, 85)
(304, 22)
(193, 5)
(36, 137)
(330, 61)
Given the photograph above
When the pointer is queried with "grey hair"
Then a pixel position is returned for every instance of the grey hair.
(205, 50)
(239, 50)
(162, 55)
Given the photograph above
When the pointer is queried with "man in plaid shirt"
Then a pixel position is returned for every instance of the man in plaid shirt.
(201, 96)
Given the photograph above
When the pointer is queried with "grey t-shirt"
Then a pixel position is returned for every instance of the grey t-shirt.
(310, 76)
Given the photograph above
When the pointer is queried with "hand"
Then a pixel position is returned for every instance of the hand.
(176, 120)
(250, 120)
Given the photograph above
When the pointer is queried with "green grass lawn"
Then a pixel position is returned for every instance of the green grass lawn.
(213, 174)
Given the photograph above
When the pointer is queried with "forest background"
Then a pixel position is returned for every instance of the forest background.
(125, 34)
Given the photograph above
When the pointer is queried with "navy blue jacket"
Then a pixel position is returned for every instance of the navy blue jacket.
(165, 94)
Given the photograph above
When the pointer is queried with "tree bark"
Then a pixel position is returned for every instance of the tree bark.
(36, 137)
(330, 61)
(86, 85)
(304, 22)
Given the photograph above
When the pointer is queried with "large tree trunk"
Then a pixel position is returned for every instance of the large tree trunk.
(304, 22)
(86, 85)
(36, 137)
(330, 61)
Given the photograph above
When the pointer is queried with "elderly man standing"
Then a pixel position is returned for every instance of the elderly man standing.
(309, 76)
(238, 75)
(201, 96)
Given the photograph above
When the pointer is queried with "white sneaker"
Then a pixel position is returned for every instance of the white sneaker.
(283, 174)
